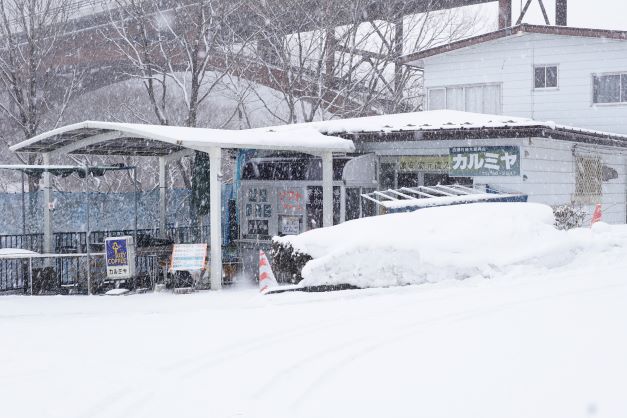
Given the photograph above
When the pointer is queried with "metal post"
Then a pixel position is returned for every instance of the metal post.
(505, 14)
(23, 207)
(327, 189)
(135, 208)
(47, 201)
(561, 12)
(342, 203)
(215, 217)
(30, 274)
(88, 230)
(162, 195)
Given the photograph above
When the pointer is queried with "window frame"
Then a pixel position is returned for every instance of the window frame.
(546, 66)
(605, 74)
(464, 87)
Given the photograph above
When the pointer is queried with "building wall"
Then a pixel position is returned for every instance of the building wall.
(548, 171)
(510, 61)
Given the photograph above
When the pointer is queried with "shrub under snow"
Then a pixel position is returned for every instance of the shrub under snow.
(454, 242)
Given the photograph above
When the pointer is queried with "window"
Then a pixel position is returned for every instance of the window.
(609, 88)
(483, 98)
(589, 179)
(437, 99)
(545, 77)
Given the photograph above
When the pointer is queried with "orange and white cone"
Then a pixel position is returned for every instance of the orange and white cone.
(597, 215)
(266, 276)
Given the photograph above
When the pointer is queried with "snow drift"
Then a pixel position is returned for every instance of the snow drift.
(455, 242)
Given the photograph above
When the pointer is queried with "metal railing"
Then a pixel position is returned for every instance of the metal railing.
(66, 271)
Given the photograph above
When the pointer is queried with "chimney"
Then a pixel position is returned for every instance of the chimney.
(505, 13)
(561, 13)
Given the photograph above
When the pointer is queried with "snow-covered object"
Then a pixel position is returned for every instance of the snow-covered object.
(453, 242)
(117, 292)
(303, 138)
(444, 200)
(7, 252)
(429, 121)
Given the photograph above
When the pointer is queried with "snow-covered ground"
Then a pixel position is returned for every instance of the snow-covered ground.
(548, 344)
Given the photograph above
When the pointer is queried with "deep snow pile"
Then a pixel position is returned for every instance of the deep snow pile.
(454, 242)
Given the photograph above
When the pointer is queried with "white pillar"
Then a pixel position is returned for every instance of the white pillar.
(342, 203)
(327, 189)
(48, 246)
(162, 195)
(215, 217)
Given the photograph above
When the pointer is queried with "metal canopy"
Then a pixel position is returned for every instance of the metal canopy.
(110, 138)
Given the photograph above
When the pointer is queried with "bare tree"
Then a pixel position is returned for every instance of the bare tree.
(331, 58)
(37, 87)
(185, 50)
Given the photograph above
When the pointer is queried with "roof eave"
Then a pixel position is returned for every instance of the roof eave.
(414, 58)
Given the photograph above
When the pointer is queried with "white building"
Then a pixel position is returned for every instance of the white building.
(575, 77)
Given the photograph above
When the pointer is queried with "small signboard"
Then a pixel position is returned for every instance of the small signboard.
(289, 225)
(484, 161)
(414, 163)
(120, 257)
(189, 257)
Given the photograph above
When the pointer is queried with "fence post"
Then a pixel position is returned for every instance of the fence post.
(30, 274)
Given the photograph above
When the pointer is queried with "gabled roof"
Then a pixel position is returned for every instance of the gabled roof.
(411, 59)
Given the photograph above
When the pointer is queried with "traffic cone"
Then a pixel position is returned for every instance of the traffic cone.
(266, 276)
(597, 215)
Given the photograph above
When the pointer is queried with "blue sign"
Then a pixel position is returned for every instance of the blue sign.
(120, 257)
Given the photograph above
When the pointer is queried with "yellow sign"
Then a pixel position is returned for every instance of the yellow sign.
(425, 163)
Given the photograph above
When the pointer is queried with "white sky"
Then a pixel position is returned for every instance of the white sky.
(599, 14)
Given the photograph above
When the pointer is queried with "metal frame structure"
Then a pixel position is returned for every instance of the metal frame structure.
(46, 171)
(168, 142)
(439, 195)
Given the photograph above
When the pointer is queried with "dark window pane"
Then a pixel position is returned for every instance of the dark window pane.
(540, 78)
(407, 180)
(623, 88)
(368, 207)
(387, 175)
(607, 89)
(353, 198)
(551, 76)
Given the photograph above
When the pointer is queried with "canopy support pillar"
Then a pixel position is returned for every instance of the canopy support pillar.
(162, 195)
(327, 189)
(215, 216)
(47, 202)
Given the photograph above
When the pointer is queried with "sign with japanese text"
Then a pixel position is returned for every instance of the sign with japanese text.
(291, 201)
(120, 257)
(484, 161)
(424, 163)
(289, 225)
(189, 257)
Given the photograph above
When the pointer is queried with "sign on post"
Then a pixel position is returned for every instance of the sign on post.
(120, 257)
(189, 257)
(484, 161)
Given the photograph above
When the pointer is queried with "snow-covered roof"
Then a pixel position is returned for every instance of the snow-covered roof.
(111, 138)
(442, 120)
(414, 121)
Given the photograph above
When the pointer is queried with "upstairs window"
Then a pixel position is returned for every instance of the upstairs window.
(479, 98)
(545, 77)
(609, 88)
